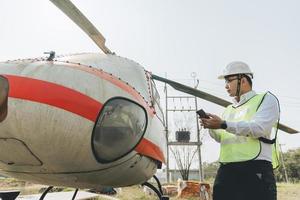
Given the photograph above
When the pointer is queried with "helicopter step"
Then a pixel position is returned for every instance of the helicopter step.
(9, 195)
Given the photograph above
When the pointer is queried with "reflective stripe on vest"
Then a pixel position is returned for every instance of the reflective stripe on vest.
(240, 148)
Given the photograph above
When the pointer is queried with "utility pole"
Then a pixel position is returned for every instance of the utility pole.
(201, 174)
(283, 165)
(167, 134)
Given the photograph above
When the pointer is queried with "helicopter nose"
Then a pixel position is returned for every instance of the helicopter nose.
(118, 130)
(4, 89)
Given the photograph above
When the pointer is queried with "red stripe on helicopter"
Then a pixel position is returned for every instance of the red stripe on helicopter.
(114, 80)
(54, 95)
(150, 149)
(70, 100)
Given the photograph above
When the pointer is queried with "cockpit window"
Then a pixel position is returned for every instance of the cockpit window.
(118, 130)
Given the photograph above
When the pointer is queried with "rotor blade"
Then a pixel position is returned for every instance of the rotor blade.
(287, 129)
(193, 91)
(76, 16)
(209, 97)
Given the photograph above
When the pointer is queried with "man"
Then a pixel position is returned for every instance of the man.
(246, 132)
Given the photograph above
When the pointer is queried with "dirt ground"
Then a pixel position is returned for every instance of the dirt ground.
(288, 191)
(285, 191)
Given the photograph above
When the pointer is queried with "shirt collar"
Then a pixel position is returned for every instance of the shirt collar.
(243, 98)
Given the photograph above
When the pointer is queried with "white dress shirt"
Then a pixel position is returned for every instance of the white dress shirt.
(262, 122)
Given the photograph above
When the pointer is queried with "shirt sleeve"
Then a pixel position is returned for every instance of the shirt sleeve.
(214, 133)
(261, 125)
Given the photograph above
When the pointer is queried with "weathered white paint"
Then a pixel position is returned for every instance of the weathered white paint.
(61, 140)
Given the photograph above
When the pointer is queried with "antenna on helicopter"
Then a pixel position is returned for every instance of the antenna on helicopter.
(51, 55)
(78, 18)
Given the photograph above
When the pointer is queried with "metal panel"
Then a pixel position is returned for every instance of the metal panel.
(15, 152)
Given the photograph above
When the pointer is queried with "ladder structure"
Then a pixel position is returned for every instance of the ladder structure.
(193, 107)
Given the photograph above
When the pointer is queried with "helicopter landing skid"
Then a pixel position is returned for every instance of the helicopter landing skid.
(158, 191)
(50, 187)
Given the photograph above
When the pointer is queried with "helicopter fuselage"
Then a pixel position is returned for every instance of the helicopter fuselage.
(84, 121)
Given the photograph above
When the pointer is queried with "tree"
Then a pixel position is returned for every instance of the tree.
(184, 156)
(292, 164)
(210, 169)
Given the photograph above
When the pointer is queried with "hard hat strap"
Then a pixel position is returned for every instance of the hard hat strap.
(238, 89)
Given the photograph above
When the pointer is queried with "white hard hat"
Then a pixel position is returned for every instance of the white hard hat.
(236, 67)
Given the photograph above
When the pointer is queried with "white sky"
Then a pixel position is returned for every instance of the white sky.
(175, 37)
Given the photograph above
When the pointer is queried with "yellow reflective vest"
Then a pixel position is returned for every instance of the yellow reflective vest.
(235, 148)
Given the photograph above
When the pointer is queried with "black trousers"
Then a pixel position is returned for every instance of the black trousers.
(250, 180)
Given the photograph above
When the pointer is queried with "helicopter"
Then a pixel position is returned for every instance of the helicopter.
(86, 120)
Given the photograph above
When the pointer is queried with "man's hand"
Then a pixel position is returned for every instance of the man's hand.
(214, 122)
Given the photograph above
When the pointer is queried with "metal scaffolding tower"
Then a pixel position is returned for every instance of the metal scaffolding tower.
(197, 143)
